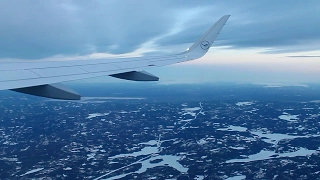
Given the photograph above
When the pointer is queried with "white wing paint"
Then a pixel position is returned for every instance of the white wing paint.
(41, 78)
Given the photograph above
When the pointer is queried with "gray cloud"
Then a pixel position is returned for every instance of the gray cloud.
(39, 29)
(47, 28)
(284, 26)
(304, 56)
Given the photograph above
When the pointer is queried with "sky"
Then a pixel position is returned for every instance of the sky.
(265, 41)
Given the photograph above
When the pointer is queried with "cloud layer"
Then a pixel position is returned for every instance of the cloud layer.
(42, 29)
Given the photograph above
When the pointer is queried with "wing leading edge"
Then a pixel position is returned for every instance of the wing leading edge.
(43, 78)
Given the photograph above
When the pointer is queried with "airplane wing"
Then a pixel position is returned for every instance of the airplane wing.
(44, 78)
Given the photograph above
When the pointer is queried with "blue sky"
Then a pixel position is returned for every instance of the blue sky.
(263, 42)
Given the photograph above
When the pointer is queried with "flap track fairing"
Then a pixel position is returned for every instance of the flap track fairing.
(55, 91)
(136, 76)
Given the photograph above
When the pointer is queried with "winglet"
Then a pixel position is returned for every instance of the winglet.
(203, 44)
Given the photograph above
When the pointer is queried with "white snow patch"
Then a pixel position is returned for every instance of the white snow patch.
(190, 111)
(289, 117)
(274, 138)
(252, 111)
(185, 120)
(263, 154)
(241, 177)
(143, 151)
(238, 148)
(25, 149)
(202, 141)
(32, 171)
(10, 159)
(151, 142)
(93, 115)
(246, 103)
(91, 156)
(199, 177)
(117, 177)
(233, 128)
(167, 160)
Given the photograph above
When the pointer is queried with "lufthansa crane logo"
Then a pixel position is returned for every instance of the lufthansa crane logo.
(205, 45)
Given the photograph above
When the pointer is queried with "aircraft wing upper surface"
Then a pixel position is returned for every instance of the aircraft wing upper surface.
(41, 78)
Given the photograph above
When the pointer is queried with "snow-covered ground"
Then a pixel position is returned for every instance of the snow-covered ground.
(233, 128)
(190, 111)
(93, 115)
(240, 177)
(265, 154)
(32, 171)
(246, 103)
(289, 117)
(152, 154)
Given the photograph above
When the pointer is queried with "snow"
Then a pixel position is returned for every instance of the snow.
(264, 154)
(289, 117)
(202, 141)
(151, 154)
(274, 138)
(118, 176)
(190, 111)
(143, 151)
(9, 159)
(111, 98)
(168, 160)
(241, 177)
(32, 171)
(25, 148)
(151, 142)
(246, 103)
(233, 128)
(199, 177)
(91, 156)
(186, 120)
(93, 115)
(238, 148)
